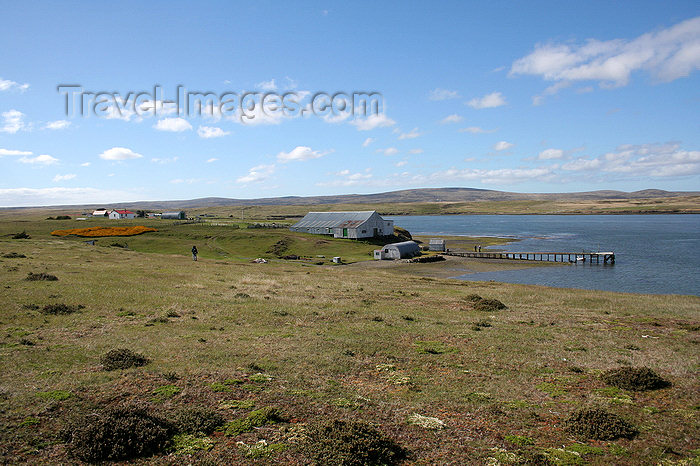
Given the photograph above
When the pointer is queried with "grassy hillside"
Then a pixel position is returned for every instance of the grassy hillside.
(328, 342)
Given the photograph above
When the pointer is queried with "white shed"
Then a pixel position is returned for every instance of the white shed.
(403, 250)
(437, 244)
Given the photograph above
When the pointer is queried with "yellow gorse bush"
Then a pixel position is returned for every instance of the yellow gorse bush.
(104, 231)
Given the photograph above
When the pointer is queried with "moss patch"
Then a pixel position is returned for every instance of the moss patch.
(257, 418)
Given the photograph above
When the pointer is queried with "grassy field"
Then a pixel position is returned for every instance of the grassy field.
(323, 342)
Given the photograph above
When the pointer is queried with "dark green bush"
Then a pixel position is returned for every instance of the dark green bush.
(195, 419)
(634, 378)
(489, 305)
(35, 277)
(117, 434)
(61, 309)
(599, 424)
(122, 358)
(350, 443)
(22, 235)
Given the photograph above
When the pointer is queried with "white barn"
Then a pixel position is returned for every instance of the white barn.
(352, 225)
(121, 214)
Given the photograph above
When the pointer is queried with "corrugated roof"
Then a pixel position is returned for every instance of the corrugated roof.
(404, 246)
(333, 219)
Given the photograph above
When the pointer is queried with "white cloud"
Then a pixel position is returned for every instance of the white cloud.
(119, 153)
(454, 118)
(400, 163)
(368, 141)
(300, 153)
(652, 160)
(164, 160)
(388, 151)
(43, 159)
(66, 177)
(267, 85)
(213, 159)
(4, 152)
(85, 164)
(347, 178)
(495, 99)
(257, 174)
(378, 120)
(58, 124)
(13, 121)
(7, 85)
(157, 108)
(550, 154)
(442, 94)
(410, 135)
(23, 197)
(667, 54)
(208, 132)
(476, 130)
(503, 176)
(187, 181)
(502, 145)
(416, 151)
(175, 125)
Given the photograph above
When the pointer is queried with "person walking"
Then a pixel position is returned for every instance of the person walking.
(194, 253)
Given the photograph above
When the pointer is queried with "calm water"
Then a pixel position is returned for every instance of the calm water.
(653, 253)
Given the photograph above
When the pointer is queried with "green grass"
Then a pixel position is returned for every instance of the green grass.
(311, 330)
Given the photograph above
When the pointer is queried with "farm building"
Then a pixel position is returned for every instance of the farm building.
(437, 244)
(100, 213)
(174, 215)
(121, 214)
(403, 250)
(352, 225)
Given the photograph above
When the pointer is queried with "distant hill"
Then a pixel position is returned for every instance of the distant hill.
(403, 196)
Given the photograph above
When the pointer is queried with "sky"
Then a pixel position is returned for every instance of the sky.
(540, 96)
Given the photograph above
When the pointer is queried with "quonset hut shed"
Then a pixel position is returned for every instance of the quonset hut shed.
(403, 250)
(353, 225)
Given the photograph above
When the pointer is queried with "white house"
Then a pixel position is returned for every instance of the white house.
(121, 214)
(100, 213)
(352, 225)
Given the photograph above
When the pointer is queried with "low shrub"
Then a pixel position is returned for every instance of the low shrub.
(61, 309)
(258, 418)
(94, 232)
(350, 443)
(14, 255)
(22, 235)
(195, 419)
(122, 358)
(599, 424)
(35, 277)
(117, 434)
(472, 298)
(634, 378)
(489, 305)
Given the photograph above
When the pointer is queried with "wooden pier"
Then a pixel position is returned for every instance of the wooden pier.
(571, 257)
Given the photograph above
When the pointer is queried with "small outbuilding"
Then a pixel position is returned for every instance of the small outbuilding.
(437, 244)
(174, 215)
(100, 213)
(403, 250)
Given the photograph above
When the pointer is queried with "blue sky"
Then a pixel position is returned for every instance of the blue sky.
(515, 96)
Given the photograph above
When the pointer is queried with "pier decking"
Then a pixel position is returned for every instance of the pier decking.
(586, 257)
